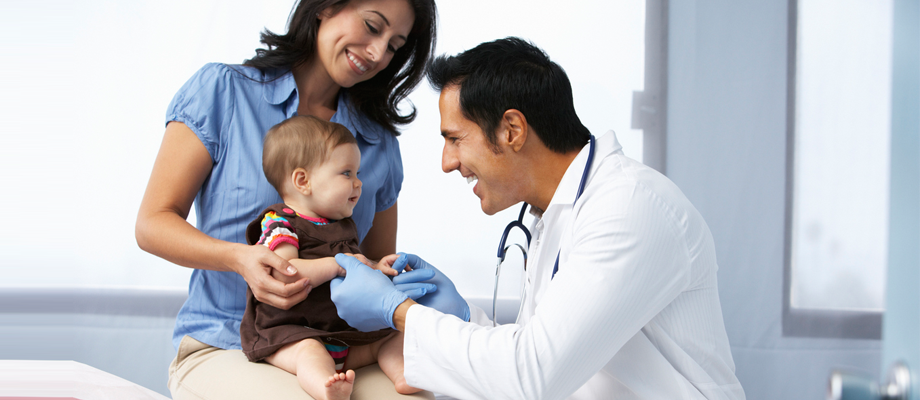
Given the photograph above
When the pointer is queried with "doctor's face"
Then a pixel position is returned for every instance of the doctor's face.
(468, 151)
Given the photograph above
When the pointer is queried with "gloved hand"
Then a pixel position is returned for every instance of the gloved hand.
(446, 299)
(415, 290)
(364, 297)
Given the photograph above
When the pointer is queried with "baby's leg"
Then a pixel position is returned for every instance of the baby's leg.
(388, 352)
(315, 370)
(390, 358)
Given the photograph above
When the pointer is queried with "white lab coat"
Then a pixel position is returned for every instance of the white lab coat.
(633, 312)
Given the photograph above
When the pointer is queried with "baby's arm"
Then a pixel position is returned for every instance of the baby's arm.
(320, 270)
(385, 264)
(279, 236)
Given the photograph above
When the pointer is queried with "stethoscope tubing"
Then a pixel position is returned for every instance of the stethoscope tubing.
(519, 223)
(502, 248)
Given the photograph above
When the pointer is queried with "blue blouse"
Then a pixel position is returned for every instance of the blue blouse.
(230, 109)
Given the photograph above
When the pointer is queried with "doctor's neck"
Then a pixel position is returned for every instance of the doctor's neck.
(545, 171)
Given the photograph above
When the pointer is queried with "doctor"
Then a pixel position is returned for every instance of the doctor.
(633, 311)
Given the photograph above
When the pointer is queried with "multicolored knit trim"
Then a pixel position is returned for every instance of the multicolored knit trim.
(278, 239)
(276, 230)
(270, 219)
(316, 221)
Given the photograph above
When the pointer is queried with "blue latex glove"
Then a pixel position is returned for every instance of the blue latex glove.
(413, 287)
(446, 299)
(415, 290)
(365, 298)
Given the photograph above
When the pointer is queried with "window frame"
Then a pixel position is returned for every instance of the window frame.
(803, 322)
(650, 106)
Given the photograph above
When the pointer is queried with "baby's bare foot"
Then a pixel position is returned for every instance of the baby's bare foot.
(339, 385)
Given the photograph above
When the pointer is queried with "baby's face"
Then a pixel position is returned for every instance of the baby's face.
(335, 184)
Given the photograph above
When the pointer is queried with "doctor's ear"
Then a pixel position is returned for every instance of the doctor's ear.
(301, 180)
(514, 129)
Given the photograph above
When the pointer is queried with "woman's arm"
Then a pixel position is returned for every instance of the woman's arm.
(180, 169)
(380, 240)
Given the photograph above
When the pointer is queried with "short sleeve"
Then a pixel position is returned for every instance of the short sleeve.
(392, 184)
(205, 105)
(277, 230)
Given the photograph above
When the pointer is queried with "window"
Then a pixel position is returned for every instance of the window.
(837, 167)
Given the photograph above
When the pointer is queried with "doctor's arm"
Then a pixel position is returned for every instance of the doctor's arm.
(620, 273)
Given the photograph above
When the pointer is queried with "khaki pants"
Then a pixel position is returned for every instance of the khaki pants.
(203, 372)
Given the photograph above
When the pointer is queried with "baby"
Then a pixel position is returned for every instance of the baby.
(313, 164)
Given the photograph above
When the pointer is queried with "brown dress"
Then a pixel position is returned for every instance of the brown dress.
(265, 329)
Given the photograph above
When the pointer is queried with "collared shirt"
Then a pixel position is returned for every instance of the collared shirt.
(633, 312)
(230, 108)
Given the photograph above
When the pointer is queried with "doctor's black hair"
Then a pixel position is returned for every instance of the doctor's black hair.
(512, 73)
(378, 97)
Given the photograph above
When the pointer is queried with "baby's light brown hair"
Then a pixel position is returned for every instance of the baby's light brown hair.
(300, 142)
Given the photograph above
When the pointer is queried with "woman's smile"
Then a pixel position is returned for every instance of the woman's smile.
(357, 64)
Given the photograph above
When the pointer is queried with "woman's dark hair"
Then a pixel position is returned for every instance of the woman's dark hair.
(378, 97)
(509, 74)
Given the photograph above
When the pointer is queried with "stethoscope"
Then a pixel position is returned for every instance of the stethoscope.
(519, 223)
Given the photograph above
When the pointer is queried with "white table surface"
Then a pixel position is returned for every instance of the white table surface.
(33, 378)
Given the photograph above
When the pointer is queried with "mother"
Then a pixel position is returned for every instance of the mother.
(348, 61)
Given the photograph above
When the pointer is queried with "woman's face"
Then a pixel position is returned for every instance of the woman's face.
(359, 41)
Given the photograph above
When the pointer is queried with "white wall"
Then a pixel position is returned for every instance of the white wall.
(86, 85)
(727, 152)
(86, 89)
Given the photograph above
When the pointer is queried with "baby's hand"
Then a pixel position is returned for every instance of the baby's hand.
(361, 258)
(386, 265)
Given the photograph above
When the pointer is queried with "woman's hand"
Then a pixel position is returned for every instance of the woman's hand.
(255, 265)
